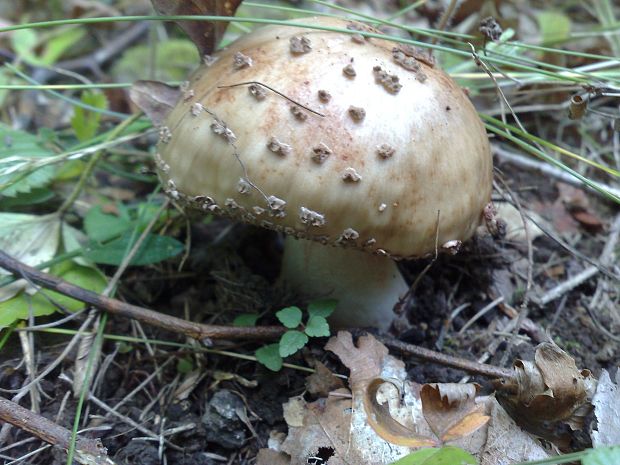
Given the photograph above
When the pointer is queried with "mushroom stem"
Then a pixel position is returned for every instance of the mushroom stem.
(366, 286)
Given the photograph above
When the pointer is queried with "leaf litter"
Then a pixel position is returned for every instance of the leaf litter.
(382, 416)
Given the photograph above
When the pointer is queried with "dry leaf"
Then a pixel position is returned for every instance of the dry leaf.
(322, 381)
(451, 410)
(205, 34)
(548, 392)
(385, 411)
(365, 361)
(154, 98)
(606, 403)
(272, 457)
(380, 418)
(505, 442)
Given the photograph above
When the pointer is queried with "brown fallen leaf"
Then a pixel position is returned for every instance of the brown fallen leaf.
(451, 410)
(205, 34)
(548, 393)
(385, 425)
(322, 381)
(154, 98)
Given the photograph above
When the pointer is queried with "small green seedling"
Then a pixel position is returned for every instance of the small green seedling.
(298, 334)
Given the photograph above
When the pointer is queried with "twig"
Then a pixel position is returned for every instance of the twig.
(191, 329)
(88, 451)
(428, 355)
(586, 274)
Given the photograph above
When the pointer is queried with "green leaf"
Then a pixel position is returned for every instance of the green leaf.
(290, 317)
(324, 307)
(317, 326)
(291, 342)
(24, 42)
(602, 456)
(185, 365)
(42, 303)
(16, 150)
(246, 319)
(86, 122)
(59, 43)
(154, 249)
(554, 26)
(32, 239)
(270, 357)
(101, 227)
(174, 59)
(36, 196)
(448, 455)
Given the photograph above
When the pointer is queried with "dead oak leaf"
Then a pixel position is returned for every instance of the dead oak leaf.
(606, 403)
(205, 34)
(366, 360)
(451, 410)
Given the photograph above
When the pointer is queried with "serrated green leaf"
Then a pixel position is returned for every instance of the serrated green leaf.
(448, 455)
(602, 456)
(86, 122)
(324, 307)
(246, 319)
(101, 227)
(16, 147)
(269, 356)
(291, 342)
(42, 303)
(290, 317)
(317, 326)
(154, 249)
(32, 239)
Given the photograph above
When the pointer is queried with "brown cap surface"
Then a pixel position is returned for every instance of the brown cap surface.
(399, 141)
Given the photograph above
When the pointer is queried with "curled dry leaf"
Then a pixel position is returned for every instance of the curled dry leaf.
(451, 410)
(548, 393)
(382, 421)
(204, 34)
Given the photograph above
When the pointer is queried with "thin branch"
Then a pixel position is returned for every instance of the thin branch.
(432, 356)
(191, 329)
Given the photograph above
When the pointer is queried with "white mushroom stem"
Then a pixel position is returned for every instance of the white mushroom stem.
(366, 286)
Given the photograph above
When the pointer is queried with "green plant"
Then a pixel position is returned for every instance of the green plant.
(298, 334)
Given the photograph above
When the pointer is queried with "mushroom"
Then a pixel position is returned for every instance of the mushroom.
(395, 161)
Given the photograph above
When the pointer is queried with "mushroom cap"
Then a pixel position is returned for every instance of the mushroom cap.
(398, 157)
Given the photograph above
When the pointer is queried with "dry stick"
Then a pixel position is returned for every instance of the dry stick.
(198, 331)
(589, 272)
(88, 451)
(428, 355)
